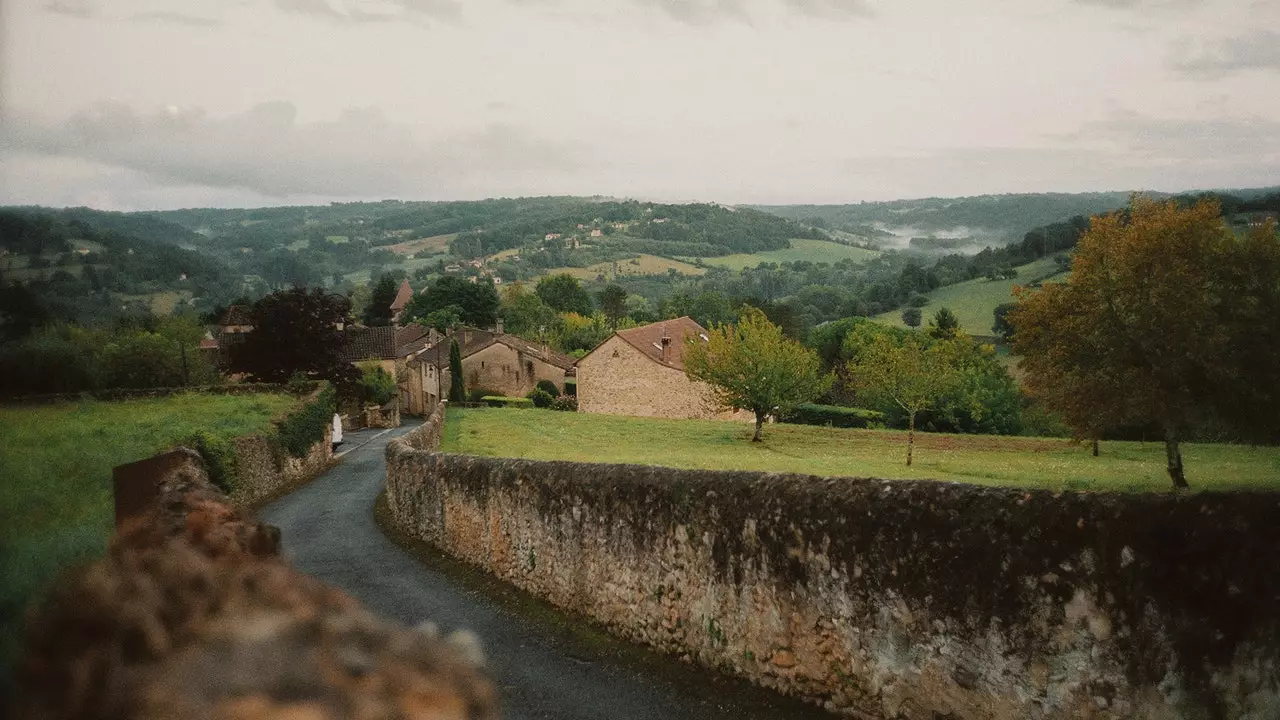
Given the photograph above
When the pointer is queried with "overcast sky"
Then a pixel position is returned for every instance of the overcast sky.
(134, 104)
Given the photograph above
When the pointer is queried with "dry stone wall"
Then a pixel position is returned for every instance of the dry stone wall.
(263, 470)
(879, 599)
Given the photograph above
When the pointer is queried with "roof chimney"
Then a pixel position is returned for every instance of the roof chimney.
(498, 327)
(433, 336)
(666, 345)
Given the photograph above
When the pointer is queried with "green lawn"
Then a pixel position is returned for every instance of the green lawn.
(974, 301)
(982, 459)
(801, 249)
(56, 505)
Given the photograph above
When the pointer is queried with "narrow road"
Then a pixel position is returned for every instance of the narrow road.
(543, 669)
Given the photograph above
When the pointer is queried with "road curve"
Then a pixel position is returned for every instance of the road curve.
(543, 670)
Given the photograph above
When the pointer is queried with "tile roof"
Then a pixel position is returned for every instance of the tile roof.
(366, 343)
(478, 340)
(410, 339)
(236, 315)
(403, 296)
(648, 339)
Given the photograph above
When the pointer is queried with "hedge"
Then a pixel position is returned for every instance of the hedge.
(833, 416)
(504, 401)
(304, 428)
(219, 456)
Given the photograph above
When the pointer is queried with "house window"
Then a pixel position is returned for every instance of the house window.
(482, 364)
(528, 366)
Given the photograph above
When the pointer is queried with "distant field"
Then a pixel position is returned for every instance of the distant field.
(434, 244)
(981, 459)
(56, 506)
(974, 301)
(642, 265)
(162, 303)
(801, 249)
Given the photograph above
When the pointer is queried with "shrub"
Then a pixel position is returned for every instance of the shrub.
(541, 398)
(219, 455)
(479, 394)
(833, 415)
(376, 385)
(304, 428)
(548, 387)
(566, 403)
(504, 401)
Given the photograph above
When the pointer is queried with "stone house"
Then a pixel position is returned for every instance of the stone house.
(491, 359)
(403, 295)
(389, 347)
(640, 372)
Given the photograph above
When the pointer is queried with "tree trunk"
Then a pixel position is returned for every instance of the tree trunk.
(911, 436)
(1095, 446)
(1174, 456)
(759, 426)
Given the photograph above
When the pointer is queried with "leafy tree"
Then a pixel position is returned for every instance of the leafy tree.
(752, 366)
(1000, 321)
(457, 388)
(478, 302)
(524, 313)
(375, 385)
(378, 310)
(944, 325)
(296, 331)
(564, 293)
(1158, 323)
(915, 375)
(576, 332)
(911, 317)
(613, 303)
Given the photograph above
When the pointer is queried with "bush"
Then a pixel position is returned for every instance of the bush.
(479, 394)
(548, 387)
(567, 403)
(541, 398)
(375, 385)
(304, 428)
(219, 455)
(833, 415)
(504, 401)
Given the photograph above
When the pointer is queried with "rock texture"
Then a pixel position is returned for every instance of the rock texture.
(886, 599)
(263, 470)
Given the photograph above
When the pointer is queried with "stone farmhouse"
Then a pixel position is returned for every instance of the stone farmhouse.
(403, 296)
(491, 359)
(640, 372)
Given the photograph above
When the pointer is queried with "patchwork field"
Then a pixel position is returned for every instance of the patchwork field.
(433, 244)
(1048, 463)
(641, 265)
(801, 249)
(974, 301)
(56, 505)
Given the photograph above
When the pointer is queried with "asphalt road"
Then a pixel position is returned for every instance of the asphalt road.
(546, 664)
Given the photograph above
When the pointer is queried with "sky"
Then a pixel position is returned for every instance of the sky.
(151, 104)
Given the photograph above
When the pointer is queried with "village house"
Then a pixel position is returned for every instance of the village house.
(403, 296)
(640, 372)
(491, 359)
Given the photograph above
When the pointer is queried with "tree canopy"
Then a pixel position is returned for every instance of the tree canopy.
(914, 374)
(296, 331)
(477, 302)
(564, 293)
(378, 311)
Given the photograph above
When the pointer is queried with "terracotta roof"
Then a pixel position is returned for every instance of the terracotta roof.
(410, 338)
(365, 343)
(648, 339)
(208, 344)
(481, 339)
(236, 315)
(403, 296)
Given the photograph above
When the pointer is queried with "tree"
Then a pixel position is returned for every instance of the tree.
(914, 374)
(296, 331)
(1000, 324)
(442, 319)
(752, 366)
(911, 317)
(478, 301)
(613, 303)
(1158, 324)
(944, 325)
(564, 293)
(524, 313)
(457, 388)
(378, 311)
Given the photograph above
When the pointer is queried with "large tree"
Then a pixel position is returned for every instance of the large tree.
(613, 303)
(753, 366)
(378, 311)
(524, 313)
(564, 293)
(1159, 323)
(296, 331)
(478, 302)
(914, 374)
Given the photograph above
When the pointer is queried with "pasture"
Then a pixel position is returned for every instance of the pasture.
(1046, 463)
(817, 251)
(636, 266)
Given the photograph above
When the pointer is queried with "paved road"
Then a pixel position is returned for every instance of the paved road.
(546, 665)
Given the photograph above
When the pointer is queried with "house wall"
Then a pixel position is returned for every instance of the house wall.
(506, 371)
(911, 600)
(617, 379)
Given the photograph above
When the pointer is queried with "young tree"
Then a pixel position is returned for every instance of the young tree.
(752, 366)
(613, 303)
(911, 317)
(915, 374)
(457, 388)
(296, 331)
(378, 311)
(944, 325)
(564, 293)
(1156, 324)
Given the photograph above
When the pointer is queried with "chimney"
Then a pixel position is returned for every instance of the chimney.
(433, 336)
(466, 336)
(666, 345)
(498, 327)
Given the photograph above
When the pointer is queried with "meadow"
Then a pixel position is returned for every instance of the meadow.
(639, 265)
(56, 503)
(1046, 463)
(801, 249)
(974, 301)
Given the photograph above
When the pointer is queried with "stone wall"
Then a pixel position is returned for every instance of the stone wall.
(879, 599)
(617, 379)
(263, 470)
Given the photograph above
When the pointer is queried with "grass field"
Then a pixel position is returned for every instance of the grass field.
(801, 249)
(162, 303)
(1049, 463)
(641, 265)
(56, 505)
(433, 244)
(975, 301)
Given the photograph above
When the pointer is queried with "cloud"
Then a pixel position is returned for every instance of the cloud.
(1132, 4)
(174, 18)
(356, 11)
(1259, 50)
(268, 151)
(73, 8)
(1172, 140)
(702, 11)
